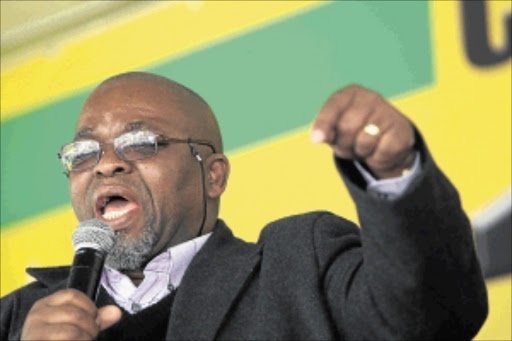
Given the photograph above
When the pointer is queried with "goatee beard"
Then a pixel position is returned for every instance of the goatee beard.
(131, 254)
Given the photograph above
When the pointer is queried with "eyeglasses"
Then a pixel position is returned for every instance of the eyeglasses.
(132, 146)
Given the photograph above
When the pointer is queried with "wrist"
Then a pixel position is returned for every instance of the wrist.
(402, 168)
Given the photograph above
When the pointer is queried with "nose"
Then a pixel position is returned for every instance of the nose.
(110, 163)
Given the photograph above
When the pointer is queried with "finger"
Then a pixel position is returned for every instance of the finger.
(65, 332)
(350, 124)
(393, 149)
(74, 297)
(352, 121)
(365, 143)
(71, 314)
(49, 316)
(66, 307)
(38, 331)
(107, 316)
(324, 126)
(376, 125)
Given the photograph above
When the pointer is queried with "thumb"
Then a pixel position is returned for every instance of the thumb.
(107, 316)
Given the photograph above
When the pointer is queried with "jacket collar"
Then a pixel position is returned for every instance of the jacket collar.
(211, 284)
(50, 276)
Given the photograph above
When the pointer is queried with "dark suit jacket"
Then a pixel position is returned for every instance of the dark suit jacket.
(308, 277)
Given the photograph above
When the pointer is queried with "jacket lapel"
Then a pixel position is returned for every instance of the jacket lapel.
(211, 284)
(51, 276)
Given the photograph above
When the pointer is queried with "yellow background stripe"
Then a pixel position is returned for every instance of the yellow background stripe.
(465, 118)
(127, 44)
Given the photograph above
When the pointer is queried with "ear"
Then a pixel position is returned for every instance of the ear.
(217, 167)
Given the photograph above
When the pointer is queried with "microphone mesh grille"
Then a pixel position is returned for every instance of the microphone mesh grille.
(94, 234)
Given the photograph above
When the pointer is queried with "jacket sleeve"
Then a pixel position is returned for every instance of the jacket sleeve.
(10, 326)
(6, 308)
(416, 274)
(15, 307)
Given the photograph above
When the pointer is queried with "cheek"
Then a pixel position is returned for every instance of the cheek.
(77, 193)
(172, 186)
(163, 182)
(165, 174)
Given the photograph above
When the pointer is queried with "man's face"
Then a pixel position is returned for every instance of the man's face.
(154, 203)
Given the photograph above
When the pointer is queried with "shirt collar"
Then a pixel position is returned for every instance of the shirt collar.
(161, 276)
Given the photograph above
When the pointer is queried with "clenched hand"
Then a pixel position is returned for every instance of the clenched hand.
(67, 315)
(361, 125)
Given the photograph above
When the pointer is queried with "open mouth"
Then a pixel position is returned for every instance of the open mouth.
(112, 207)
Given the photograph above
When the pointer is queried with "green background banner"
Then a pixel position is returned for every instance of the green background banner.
(261, 84)
(265, 67)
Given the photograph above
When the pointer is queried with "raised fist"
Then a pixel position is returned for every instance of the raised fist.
(359, 124)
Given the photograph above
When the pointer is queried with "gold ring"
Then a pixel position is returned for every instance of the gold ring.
(371, 129)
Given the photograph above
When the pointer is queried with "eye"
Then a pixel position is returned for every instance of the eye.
(138, 149)
(80, 154)
(136, 145)
(81, 158)
(163, 144)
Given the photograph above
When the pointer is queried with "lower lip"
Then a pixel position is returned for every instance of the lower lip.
(123, 221)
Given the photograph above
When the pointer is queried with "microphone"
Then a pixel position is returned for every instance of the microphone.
(92, 240)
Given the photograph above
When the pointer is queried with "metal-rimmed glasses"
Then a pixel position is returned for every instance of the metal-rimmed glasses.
(131, 146)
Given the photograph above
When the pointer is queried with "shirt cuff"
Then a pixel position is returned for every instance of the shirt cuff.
(393, 187)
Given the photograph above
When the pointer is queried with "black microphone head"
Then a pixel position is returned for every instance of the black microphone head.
(94, 234)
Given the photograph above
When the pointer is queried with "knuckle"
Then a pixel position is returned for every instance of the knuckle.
(352, 123)
(354, 87)
(71, 294)
(322, 121)
(66, 295)
(343, 153)
(347, 128)
(375, 98)
(53, 332)
(364, 148)
(39, 311)
(365, 143)
(38, 305)
(68, 314)
(390, 149)
(358, 112)
(362, 152)
(337, 96)
(70, 332)
(346, 89)
(74, 314)
(74, 295)
(375, 163)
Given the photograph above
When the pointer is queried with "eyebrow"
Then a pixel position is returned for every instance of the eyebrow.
(137, 125)
(131, 126)
(86, 132)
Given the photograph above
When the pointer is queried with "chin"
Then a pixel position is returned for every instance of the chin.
(132, 253)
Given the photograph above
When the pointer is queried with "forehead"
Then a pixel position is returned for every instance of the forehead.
(122, 106)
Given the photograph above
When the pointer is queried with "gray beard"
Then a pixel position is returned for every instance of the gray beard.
(130, 255)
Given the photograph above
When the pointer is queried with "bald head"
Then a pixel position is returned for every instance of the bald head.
(200, 120)
(165, 200)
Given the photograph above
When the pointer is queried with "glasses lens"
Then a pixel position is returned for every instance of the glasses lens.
(136, 145)
(80, 155)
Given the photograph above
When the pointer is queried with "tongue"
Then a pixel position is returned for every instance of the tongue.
(120, 205)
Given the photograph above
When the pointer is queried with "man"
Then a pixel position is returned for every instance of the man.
(147, 158)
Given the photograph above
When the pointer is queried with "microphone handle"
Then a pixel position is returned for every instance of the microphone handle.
(86, 271)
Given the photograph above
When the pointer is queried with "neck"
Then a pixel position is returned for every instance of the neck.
(137, 276)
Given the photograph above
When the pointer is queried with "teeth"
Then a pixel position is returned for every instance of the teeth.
(113, 215)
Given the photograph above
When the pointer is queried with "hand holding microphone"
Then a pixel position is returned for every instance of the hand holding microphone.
(71, 314)
(92, 241)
